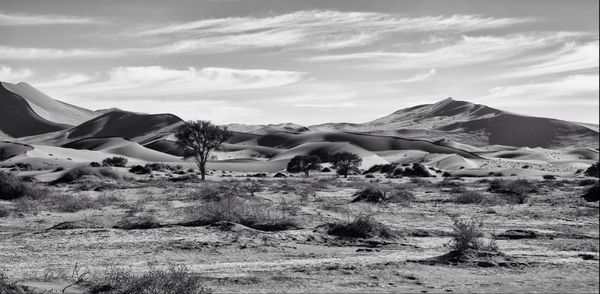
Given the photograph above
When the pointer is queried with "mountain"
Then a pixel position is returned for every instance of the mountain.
(18, 119)
(474, 124)
(25, 111)
(138, 127)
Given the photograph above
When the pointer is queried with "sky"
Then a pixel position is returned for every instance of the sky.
(306, 62)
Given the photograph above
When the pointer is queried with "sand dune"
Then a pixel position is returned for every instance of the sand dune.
(49, 108)
(18, 119)
(476, 125)
(122, 147)
(9, 149)
(368, 142)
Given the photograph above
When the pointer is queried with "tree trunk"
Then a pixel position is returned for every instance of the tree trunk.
(306, 173)
(203, 172)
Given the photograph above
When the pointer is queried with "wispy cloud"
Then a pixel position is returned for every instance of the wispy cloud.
(420, 77)
(467, 50)
(571, 89)
(24, 53)
(17, 19)
(8, 74)
(157, 81)
(318, 29)
(570, 57)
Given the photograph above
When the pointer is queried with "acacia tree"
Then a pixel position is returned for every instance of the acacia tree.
(304, 163)
(344, 162)
(198, 138)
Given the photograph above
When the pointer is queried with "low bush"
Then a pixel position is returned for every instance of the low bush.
(587, 182)
(402, 196)
(469, 197)
(83, 170)
(371, 194)
(549, 177)
(70, 203)
(236, 210)
(592, 171)
(173, 280)
(138, 223)
(140, 170)
(10, 287)
(467, 234)
(592, 194)
(361, 227)
(116, 161)
(514, 191)
(12, 187)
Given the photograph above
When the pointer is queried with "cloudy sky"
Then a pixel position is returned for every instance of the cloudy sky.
(313, 61)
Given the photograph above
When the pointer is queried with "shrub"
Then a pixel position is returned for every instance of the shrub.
(371, 194)
(174, 280)
(467, 234)
(155, 166)
(549, 177)
(417, 170)
(592, 171)
(588, 182)
(12, 187)
(138, 223)
(233, 209)
(326, 170)
(7, 286)
(116, 161)
(592, 194)
(95, 164)
(139, 170)
(4, 211)
(70, 203)
(361, 227)
(469, 197)
(80, 171)
(514, 191)
(400, 196)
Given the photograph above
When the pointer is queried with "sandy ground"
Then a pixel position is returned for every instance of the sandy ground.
(308, 259)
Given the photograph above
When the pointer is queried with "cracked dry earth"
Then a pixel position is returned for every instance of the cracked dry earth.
(558, 252)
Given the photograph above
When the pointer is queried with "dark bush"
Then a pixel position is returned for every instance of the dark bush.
(12, 187)
(279, 175)
(174, 280)
(592, 171)
(549, 177)
(156, 166)
(80, 171)
(588, 182)
(140, 170)
(467, 234)
(469, 197)
(370, 194)
(361, 227)
(592, 194)
(95, 164)
(116, 161)
(326, 170)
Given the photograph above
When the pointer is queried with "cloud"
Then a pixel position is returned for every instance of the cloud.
(15, 19)
(579, 89)
(317, 29)
(571, 57)
(420, 77)
(467, 50)
(23, 53)
(157, 81)
(8, 74)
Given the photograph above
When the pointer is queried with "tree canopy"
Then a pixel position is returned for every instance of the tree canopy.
(198, 138)
(304, 163)
(344, 162)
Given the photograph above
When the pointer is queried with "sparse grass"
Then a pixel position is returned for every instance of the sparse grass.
(259, 216)
(144, 222)
(10, 287)
(588, 182)
(361, 227)
(513, 191)
(469, 197)
(12, 187)
(70, 203)
(467, 234)
(400, 195)
(372, 194)
(173, 280)
(4, 212)
(84, 170)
